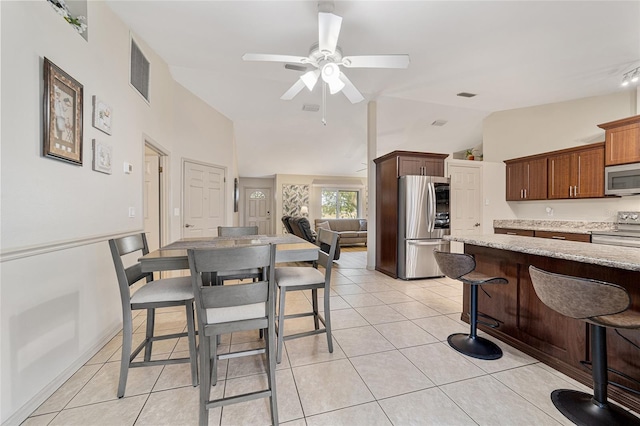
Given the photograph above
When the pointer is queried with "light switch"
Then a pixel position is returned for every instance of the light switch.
(128, 168)
(176, 211)
(132, 212)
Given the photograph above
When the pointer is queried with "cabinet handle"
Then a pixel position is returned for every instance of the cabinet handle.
(522, 193)
(558, 237)
(525, 193)
(511, 233)
(575, 191)
(570, 194)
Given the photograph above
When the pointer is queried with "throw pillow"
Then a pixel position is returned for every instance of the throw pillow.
(363, 224)
(324, 225)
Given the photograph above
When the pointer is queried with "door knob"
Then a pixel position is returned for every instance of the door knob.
(477, 224)
(188, 225)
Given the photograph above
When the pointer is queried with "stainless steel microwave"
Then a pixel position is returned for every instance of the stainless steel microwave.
(622, 180)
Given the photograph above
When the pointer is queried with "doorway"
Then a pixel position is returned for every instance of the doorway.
(466, 196)
(257, 209)
(204, 199)
(155, 160)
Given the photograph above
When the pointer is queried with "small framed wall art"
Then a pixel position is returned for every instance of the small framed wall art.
(102, 114)
(63, 97)
(102, 155)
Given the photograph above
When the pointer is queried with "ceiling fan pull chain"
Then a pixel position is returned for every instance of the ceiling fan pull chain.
(324, 103)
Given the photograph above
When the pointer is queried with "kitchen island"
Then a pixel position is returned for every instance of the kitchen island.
(526, 323)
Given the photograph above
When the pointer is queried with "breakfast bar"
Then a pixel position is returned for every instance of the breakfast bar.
(525, 323)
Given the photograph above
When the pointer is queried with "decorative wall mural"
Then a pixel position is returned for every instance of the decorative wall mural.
(294, 197)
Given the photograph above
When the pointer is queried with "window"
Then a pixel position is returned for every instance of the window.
(340, 204)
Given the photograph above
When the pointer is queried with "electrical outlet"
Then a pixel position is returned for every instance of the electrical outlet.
(132, 212)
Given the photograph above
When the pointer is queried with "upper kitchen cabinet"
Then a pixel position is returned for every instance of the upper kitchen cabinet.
(622, 143)
(527, 178)
(418, 163)
(577, 172)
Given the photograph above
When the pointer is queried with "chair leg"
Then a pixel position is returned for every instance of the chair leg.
(127, 336)
(271, 366)
(584, 409)
(280, 332)
(214, 362)
(151, 316)
(205, 376)
(191, 335)
(327, 320)
(314, 302)
(471, 344)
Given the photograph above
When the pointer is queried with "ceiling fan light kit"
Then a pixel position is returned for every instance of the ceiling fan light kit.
(631, 77)
(326, 57)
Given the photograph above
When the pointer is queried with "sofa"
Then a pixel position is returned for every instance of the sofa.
(352, 231)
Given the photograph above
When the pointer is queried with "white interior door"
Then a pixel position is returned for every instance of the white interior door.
(466, 204)
(204, 200)
(258, 209)
(151, 207)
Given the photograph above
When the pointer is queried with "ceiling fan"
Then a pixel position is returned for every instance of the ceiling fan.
(324, 62)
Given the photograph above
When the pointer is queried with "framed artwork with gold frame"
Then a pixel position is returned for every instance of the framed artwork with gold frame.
(63, 98)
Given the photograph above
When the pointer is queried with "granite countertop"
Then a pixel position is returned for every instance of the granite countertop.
(597, 254)
(573, 226)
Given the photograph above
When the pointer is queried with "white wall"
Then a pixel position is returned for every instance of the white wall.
(543, 128)
(59, 300)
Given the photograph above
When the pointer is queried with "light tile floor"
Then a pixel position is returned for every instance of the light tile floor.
(391, 365)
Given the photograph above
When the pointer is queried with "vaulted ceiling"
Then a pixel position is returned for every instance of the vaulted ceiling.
(512, 54)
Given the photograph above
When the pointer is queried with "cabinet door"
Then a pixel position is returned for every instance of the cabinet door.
(560, 176)
(623, 145)
(515, 179)
(589, 173)
(410, 166)
(536, 180)
(434, 167)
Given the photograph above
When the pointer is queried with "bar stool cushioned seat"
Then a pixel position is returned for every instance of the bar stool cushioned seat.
(462, 267)
(601, 305)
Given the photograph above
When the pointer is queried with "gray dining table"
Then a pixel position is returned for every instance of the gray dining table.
(289, 248)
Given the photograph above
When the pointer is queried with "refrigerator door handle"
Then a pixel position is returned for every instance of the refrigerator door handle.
(425, 243)
(432, 204)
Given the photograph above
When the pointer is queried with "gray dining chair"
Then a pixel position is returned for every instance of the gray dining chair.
(152, 295)
(234, 308)
(296, 278)
(237, 231)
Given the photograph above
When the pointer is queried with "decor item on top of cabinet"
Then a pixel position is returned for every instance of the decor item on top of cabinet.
(622, 143)
(469, 154)
(78, 23)
(102, 157)
(102, 114)
(62, 115)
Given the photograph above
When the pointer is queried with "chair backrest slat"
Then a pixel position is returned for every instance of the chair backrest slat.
(454, 265)
(325, 259)
(133, 273)
(578, 298)
(223, 259)
(237, 231)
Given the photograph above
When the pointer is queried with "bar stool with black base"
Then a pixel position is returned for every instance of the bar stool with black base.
(602, 305)
(462, 267)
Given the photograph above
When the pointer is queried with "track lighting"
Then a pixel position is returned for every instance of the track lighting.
(631, 77)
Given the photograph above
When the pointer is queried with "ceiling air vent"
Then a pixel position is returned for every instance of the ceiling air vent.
(311, 107)
(439, 123)
(466, 94)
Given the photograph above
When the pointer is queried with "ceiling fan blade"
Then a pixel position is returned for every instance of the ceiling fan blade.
(310, 78)
(295, 67)
(293, 90)
(376, 61)
(328, 32)
(275, 58)
(350, 91)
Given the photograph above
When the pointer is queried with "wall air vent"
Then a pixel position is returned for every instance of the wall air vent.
(439, 123)
(311, 107)
(466, 95)
(139, 71)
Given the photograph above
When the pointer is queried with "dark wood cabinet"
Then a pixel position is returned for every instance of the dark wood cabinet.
(622, 141)
(527, 178)
(569, 236)
(389, 168)
(577, 172)
(513, 231)
(527, 324)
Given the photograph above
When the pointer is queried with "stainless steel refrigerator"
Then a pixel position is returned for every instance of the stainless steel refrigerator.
(423, 219)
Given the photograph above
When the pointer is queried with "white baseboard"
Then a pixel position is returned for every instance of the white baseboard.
(23, 412)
